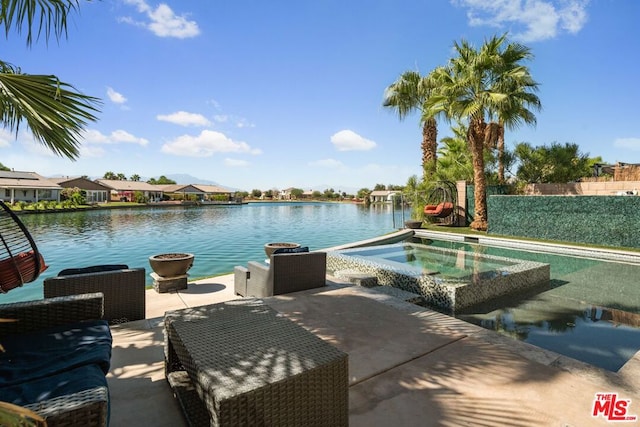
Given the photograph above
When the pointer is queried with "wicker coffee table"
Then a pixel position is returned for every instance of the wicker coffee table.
(242, 363)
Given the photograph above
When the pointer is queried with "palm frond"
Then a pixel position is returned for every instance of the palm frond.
(53, 110)
(51, 17)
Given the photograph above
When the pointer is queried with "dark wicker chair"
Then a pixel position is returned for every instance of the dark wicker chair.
(287, 272)
(87, 407)
(124, 291)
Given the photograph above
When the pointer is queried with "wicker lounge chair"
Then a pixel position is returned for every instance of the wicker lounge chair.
(286, 272)
(123, 290)
(85, 406)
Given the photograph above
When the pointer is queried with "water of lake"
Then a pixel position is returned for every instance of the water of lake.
(219, 236)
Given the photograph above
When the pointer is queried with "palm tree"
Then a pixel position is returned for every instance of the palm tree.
(53, 110)
(477, 86)
(454, 157)
(520, 88)
(407, 95)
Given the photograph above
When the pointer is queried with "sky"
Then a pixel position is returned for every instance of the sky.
(275, 94)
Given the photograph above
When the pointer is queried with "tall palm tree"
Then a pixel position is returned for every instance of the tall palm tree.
(406, 95)
(518, 86)
(53, 110)
(476, 86)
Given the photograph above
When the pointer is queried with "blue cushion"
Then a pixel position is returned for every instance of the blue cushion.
(291, 250)
(81, 378)
(93, 269)
(40, 354)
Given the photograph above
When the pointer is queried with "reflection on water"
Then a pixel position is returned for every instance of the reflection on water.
(219, 236)
(590, 309)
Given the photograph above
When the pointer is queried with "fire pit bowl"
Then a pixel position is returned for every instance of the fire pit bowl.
(171, 264)
(269, 248)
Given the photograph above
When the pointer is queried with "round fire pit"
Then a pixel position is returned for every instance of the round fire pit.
(171, 264)
(269, 248)
(413, 224)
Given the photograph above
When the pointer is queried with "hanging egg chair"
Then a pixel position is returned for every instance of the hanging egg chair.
(442, 201)
(441, 210)
(20, 260)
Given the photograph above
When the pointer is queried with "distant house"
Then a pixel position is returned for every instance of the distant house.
(285, 194)
(122, 190)
(94, 191)
(28, 187)
(382, 196)
(215, 190)
(182, 191)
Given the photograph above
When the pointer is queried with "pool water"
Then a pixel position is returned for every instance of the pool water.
(446, 279)
(589, 311)
(434, 261)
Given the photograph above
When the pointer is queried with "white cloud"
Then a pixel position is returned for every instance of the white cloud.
(530, 20)
(184, 118)
(627, 143)
(206, 144)
(35, 147)
(92, 136)
(115, 97)
(6, 137)
(162, 21)
(327, 163)
(244, 123)
(235, 163)
(214, 103)
(238, 122)
(347, 140)
(87, 150)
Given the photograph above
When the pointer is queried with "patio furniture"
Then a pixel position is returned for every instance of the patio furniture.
(285, 273)
(123, 290)
(56, 358)
(242, 363)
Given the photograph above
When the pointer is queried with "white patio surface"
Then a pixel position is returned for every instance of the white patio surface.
(407, 365)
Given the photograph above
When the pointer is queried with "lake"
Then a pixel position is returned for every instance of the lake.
(220, 237)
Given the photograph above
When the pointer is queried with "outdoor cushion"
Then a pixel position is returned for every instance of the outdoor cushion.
(35, 355)
(93, 269)
(291, 250)
(83, 377)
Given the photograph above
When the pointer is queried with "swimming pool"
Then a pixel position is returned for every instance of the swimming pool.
(445, 278)
(589, 309)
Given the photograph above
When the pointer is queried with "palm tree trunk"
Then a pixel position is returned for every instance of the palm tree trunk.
(476, 143)
(501, 153)
(429, 147)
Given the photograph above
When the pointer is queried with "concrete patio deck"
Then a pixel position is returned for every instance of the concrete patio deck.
(407, 365)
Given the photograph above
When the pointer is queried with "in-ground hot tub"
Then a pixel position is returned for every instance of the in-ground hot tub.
(446, 278)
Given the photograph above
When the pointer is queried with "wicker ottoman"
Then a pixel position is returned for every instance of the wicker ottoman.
(242, 363)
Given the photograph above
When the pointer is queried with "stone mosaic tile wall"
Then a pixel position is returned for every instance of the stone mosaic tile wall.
(601, 220)
(450, 295)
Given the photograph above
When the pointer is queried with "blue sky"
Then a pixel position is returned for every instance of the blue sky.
(256, 94)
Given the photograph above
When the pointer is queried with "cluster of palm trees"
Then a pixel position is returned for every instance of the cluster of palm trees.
(488, 89)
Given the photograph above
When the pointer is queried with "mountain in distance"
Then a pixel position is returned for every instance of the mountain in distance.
(185, 178)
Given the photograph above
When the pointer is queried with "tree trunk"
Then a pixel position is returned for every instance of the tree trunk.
(501, 153)
(476, 143)
(429, 147)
